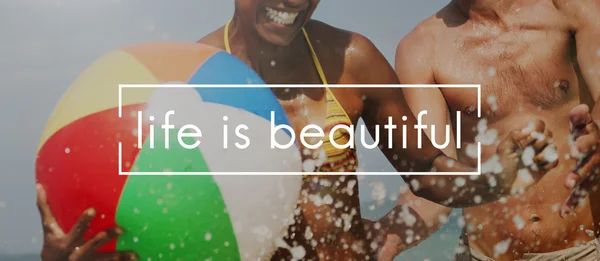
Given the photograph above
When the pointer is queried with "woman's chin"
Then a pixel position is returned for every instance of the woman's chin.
(276, 39)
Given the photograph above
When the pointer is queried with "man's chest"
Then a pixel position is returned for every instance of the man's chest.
(518, 70)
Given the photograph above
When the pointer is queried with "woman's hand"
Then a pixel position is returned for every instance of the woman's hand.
(71, 246)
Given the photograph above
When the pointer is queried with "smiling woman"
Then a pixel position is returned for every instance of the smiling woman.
(275, 21)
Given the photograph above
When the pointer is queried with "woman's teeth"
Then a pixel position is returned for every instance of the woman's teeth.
(280, 17)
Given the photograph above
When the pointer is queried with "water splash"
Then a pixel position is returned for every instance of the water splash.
(501, 247)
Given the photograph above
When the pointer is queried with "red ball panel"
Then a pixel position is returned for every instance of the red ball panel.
(78, 167)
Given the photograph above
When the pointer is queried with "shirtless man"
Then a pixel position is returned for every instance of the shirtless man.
(535, 59)
(277, 39)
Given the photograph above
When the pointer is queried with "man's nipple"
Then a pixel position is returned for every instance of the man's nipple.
(562, 84)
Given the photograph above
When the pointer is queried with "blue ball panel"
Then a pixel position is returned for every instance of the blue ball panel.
(223, 68)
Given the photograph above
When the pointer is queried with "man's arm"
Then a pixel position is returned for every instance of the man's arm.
(413, 63)
(583, 19)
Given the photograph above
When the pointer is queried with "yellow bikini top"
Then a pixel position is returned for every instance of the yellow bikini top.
(337, 160)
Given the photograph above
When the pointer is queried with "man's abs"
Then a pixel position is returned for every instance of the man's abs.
(531, 220)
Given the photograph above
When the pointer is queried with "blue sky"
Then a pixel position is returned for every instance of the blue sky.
(45, 44)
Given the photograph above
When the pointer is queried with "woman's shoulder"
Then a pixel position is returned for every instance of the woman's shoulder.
(332, 36)
(356, 52)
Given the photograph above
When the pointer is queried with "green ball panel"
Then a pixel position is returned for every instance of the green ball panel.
(174, 217)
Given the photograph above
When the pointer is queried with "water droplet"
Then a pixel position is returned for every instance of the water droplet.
(525, 176)
(136, 239)
(172, 246)
(443, 219)
(308, 165)
(488, 137)
(379, 191)
(414, 184)
(492, 71)
(327, 199)
(207, 236)
(298, 252)
(590, 233)
(477, 199)
(306, 152)
(472, 151)
(519, 222)
(459, 182)
(273, 63)
(501, 248)
(550, 154)
(527, 156)
(461, 222)
(67, 150)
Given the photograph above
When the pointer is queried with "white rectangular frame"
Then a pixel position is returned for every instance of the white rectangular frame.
(133, 86)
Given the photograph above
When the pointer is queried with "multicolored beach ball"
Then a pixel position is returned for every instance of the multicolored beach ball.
(144, 188)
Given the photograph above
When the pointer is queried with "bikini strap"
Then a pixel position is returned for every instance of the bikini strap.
(322, 73)
(226, 37)
(315, 58)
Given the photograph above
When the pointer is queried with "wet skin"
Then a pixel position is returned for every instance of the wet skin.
(347, 58)
(524, 57)
(280, 55)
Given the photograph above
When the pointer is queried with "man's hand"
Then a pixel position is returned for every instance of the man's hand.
(585, 150)
(398, 230)
(526, 154)
(521, 160)
(59, 246)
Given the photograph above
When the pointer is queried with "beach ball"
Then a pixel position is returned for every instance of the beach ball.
(176, 167)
